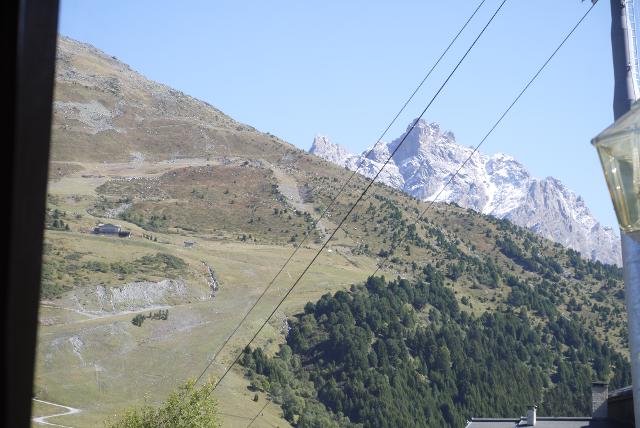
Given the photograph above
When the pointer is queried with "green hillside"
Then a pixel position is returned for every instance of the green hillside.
(402, 353)
(171, 169)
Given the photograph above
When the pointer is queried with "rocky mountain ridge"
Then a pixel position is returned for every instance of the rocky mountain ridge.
(496, 185)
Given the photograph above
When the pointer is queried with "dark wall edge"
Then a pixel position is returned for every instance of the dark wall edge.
(29, 38)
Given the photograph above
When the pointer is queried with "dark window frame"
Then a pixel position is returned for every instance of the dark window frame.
(29, 36)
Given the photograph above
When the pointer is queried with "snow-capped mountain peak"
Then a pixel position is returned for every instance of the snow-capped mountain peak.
(497, 185)
(332, 152)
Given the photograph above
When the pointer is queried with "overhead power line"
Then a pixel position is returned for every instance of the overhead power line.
(259, 413)
(306, 269)
(486, 136)
(231, 415)
(340, 190)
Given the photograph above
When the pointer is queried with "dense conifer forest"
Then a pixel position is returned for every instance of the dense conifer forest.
(403, 353)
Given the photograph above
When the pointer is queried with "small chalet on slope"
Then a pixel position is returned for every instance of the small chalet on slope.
(111, 229)
(609, 410)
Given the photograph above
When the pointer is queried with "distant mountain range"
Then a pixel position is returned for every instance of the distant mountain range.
(496, 185)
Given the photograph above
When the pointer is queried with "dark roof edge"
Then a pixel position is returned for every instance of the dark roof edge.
(540, 418)
(627, 391)
(564, 418)
(495, 419)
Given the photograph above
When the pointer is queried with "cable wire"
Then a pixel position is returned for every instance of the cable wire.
(231, 415)
(495, 125)
(340, 190)
(415, 122)
(259, 413)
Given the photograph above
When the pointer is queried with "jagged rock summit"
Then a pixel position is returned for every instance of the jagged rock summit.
(496, 185)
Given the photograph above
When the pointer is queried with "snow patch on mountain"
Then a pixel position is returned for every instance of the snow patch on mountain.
(496, 185)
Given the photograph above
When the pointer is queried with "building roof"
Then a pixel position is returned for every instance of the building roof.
(622, 393)
(545, 422)
(489, 422)
(620, 408)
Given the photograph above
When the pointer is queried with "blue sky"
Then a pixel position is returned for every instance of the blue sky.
(343, 69)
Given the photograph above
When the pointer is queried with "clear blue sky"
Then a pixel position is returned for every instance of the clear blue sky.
(343, 69)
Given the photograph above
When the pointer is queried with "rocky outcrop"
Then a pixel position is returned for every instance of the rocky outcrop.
(496, 185)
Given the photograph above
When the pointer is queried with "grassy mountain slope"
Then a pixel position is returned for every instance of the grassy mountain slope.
(171, 168)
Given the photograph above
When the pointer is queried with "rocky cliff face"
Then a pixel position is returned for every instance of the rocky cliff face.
(497, 185)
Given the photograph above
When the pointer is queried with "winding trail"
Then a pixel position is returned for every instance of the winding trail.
(43, 419)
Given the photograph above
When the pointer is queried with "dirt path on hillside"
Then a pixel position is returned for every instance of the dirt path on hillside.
(107, 315)
(291, 191)
(43, 419)
(289, 188)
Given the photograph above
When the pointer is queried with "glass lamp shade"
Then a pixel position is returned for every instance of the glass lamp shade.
(619, 149)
